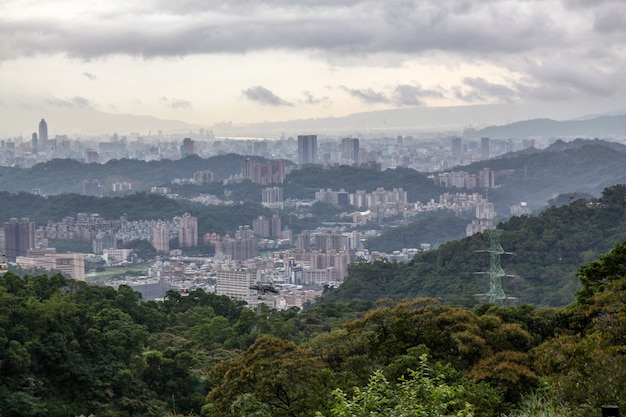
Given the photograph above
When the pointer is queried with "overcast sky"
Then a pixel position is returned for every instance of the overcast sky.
(209, 61)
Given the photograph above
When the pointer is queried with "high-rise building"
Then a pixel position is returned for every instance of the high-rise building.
(272, 197)
(92, 188)
(188, 231)
(456, 148)
(187, 148)
(34, 142)
(303, 242)
(237, 249)
(246, 168)
(92, 156)
(43, 133)
(484, 149)
(19, 237)
(203, 177)
(161, 238)
(307, 149)
(350, 150)
(261, 226)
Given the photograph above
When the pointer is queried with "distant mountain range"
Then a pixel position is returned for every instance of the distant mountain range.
(599, 127)
(440, 120)
(491, 120)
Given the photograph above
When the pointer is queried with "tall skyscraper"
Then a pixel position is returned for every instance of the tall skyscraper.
(188, 231)
(307, 149)
(187, 148)
(19, 236)
(484, 148)
(456, 148)
(43, 133)
(350, 150)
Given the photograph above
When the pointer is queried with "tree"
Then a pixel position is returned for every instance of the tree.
(289, 380)
(422, 394)
(595, 275)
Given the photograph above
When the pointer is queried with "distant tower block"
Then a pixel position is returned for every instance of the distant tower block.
(496, 294)
(43, 133)
(307, 149)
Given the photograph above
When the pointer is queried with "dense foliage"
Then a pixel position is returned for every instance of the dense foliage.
(67, 348)
(433, 229)
(66, 175)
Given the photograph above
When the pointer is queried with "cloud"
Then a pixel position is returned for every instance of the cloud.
(89, 75)
(560, 78)
(367, 95)
(311, 100)
(75, 102)
(264, 96)
(412, 95)
(479, 89)
(354, 27)
(175, 103)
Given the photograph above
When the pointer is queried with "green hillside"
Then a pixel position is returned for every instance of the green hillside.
(545, 251)
(70, 349)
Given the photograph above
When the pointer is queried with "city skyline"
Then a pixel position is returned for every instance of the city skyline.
(206, 63)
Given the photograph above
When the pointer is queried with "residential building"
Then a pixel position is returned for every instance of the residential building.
(161, 238)
(237, 283)
(188, 231)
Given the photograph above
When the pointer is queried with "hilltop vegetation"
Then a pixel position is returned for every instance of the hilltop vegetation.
(67, 348)
(66, 175)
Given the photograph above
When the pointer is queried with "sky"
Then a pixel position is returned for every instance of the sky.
(246, 61)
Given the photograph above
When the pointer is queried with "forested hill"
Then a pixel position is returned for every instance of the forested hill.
(66, 175)
(546, 252)
(533, 176)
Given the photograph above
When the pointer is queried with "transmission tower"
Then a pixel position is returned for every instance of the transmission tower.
(496, 294)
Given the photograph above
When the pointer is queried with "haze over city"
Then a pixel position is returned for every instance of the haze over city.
(205, 63)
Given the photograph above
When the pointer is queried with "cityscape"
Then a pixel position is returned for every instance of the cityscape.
(312, 208)
(263, 250)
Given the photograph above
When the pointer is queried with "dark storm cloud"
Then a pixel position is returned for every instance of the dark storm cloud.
(367, 95)
(336, 27)
(264, 96)
(520, 37)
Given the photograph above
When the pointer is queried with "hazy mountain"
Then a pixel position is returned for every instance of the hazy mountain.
(502, 119)
(85, 121)
(602, 126)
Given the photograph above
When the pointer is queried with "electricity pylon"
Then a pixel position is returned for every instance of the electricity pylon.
(496, 294)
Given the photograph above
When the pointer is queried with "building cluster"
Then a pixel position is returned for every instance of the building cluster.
(20, 246)
(361, 199)
(461, 179)
(264, 174)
